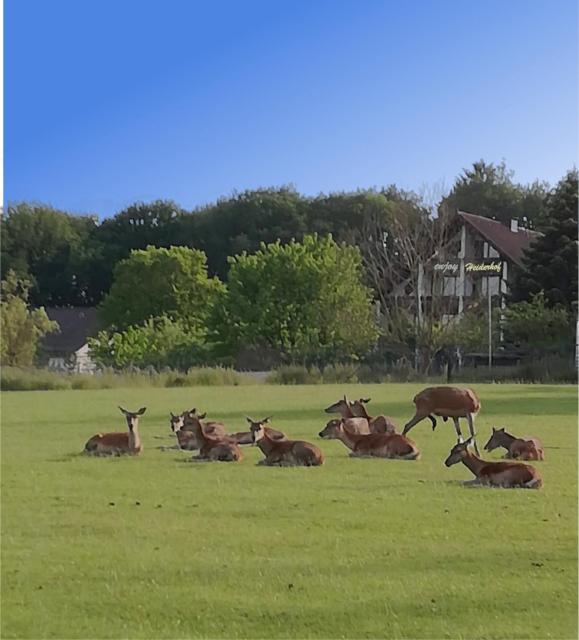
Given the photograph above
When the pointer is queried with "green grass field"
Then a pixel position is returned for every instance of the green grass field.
(157, 547)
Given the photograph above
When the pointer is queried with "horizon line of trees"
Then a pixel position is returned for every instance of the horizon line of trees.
(272, 269)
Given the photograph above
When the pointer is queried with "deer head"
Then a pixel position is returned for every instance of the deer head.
(132, 417)
(257, 428)
(496, 440)
(176, 422)
(458, 453)
(332, 429)
(339, 407)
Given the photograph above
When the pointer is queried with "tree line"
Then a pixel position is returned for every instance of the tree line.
(311, 277)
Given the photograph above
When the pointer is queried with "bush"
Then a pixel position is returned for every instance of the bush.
(295, 374)
(14, 379)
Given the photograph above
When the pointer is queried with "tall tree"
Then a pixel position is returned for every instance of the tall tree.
(157, 282)
(489, 190)
(244, 221)
(305, 299)
(50, 248)
(550, 263)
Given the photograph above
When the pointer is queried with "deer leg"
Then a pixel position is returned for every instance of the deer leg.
(457, 429)
(433, 420)
(470, 421)
(417, 418)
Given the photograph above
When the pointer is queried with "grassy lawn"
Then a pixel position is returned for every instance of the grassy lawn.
(154, 547)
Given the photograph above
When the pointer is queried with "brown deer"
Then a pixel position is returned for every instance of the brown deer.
(377, 424)
(446, 402)
(378, 445)
(354, 423)
(494, 474)
(211, 447)
(246, 437)
(118, 443)
(521, 448)
(284, 452)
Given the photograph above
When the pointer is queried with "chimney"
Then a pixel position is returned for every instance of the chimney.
(514, 225)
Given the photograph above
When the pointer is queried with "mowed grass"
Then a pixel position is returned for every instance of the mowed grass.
(157, 547)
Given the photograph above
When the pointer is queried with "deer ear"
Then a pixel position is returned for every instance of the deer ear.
(202, 416)
(123, 410)
(502, 430)
(141, 411)
(365, 400)
(267, 419)
(494, 430)
(248, 419)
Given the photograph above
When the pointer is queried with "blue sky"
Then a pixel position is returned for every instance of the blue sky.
(112, 102)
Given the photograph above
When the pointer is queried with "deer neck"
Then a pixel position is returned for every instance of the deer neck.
(134, 438)
(265, 445)
(346, 438)
(473, 463)
(506, 440)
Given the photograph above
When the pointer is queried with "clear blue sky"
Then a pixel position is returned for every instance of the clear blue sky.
(112, 101)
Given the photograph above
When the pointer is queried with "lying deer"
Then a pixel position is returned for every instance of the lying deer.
(378, 445)
(284, 452)
(246, 437)
(377, 424)
(521, 448)
(118, 443)
(446, 402)
(355, 424)
(494, 474)
(211, 447)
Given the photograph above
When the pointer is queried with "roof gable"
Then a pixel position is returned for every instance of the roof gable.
(77, 324)
(510, 244)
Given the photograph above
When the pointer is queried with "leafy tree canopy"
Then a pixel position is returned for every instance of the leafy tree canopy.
(154, 282)
(489, 190)
(305, 299)
(21, 328)
(550, 263)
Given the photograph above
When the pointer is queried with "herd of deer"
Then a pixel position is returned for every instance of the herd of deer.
(364, 435)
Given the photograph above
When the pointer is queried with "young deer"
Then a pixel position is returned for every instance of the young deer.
(284, 452)
(118, 443)
(378, 445)
(354, 423)
(377, 424)
(446, 402)
(494, 474)
(521, 448)
(211, 448)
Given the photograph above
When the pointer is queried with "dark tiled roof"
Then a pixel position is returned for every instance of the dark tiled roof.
(77, 324)
(510, 244)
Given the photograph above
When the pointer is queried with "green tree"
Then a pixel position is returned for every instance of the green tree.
(305, 299)
(550, 263)
(50, 248)
(157, 282)
(21, 327)
(537, 325)
(489, 190)
(159, 342)
(243, 222)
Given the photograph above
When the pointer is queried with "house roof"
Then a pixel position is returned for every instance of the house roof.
(77, 324)
(510, 244)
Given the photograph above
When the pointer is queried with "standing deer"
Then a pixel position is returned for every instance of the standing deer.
(494, 474)
(377, 424)
(521, 448)
(118, 443)
(284, 452)
(446, 402)
(355, 424)
(378, 445)
(211, 447)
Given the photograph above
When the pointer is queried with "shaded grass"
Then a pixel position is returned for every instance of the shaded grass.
(355, 549)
